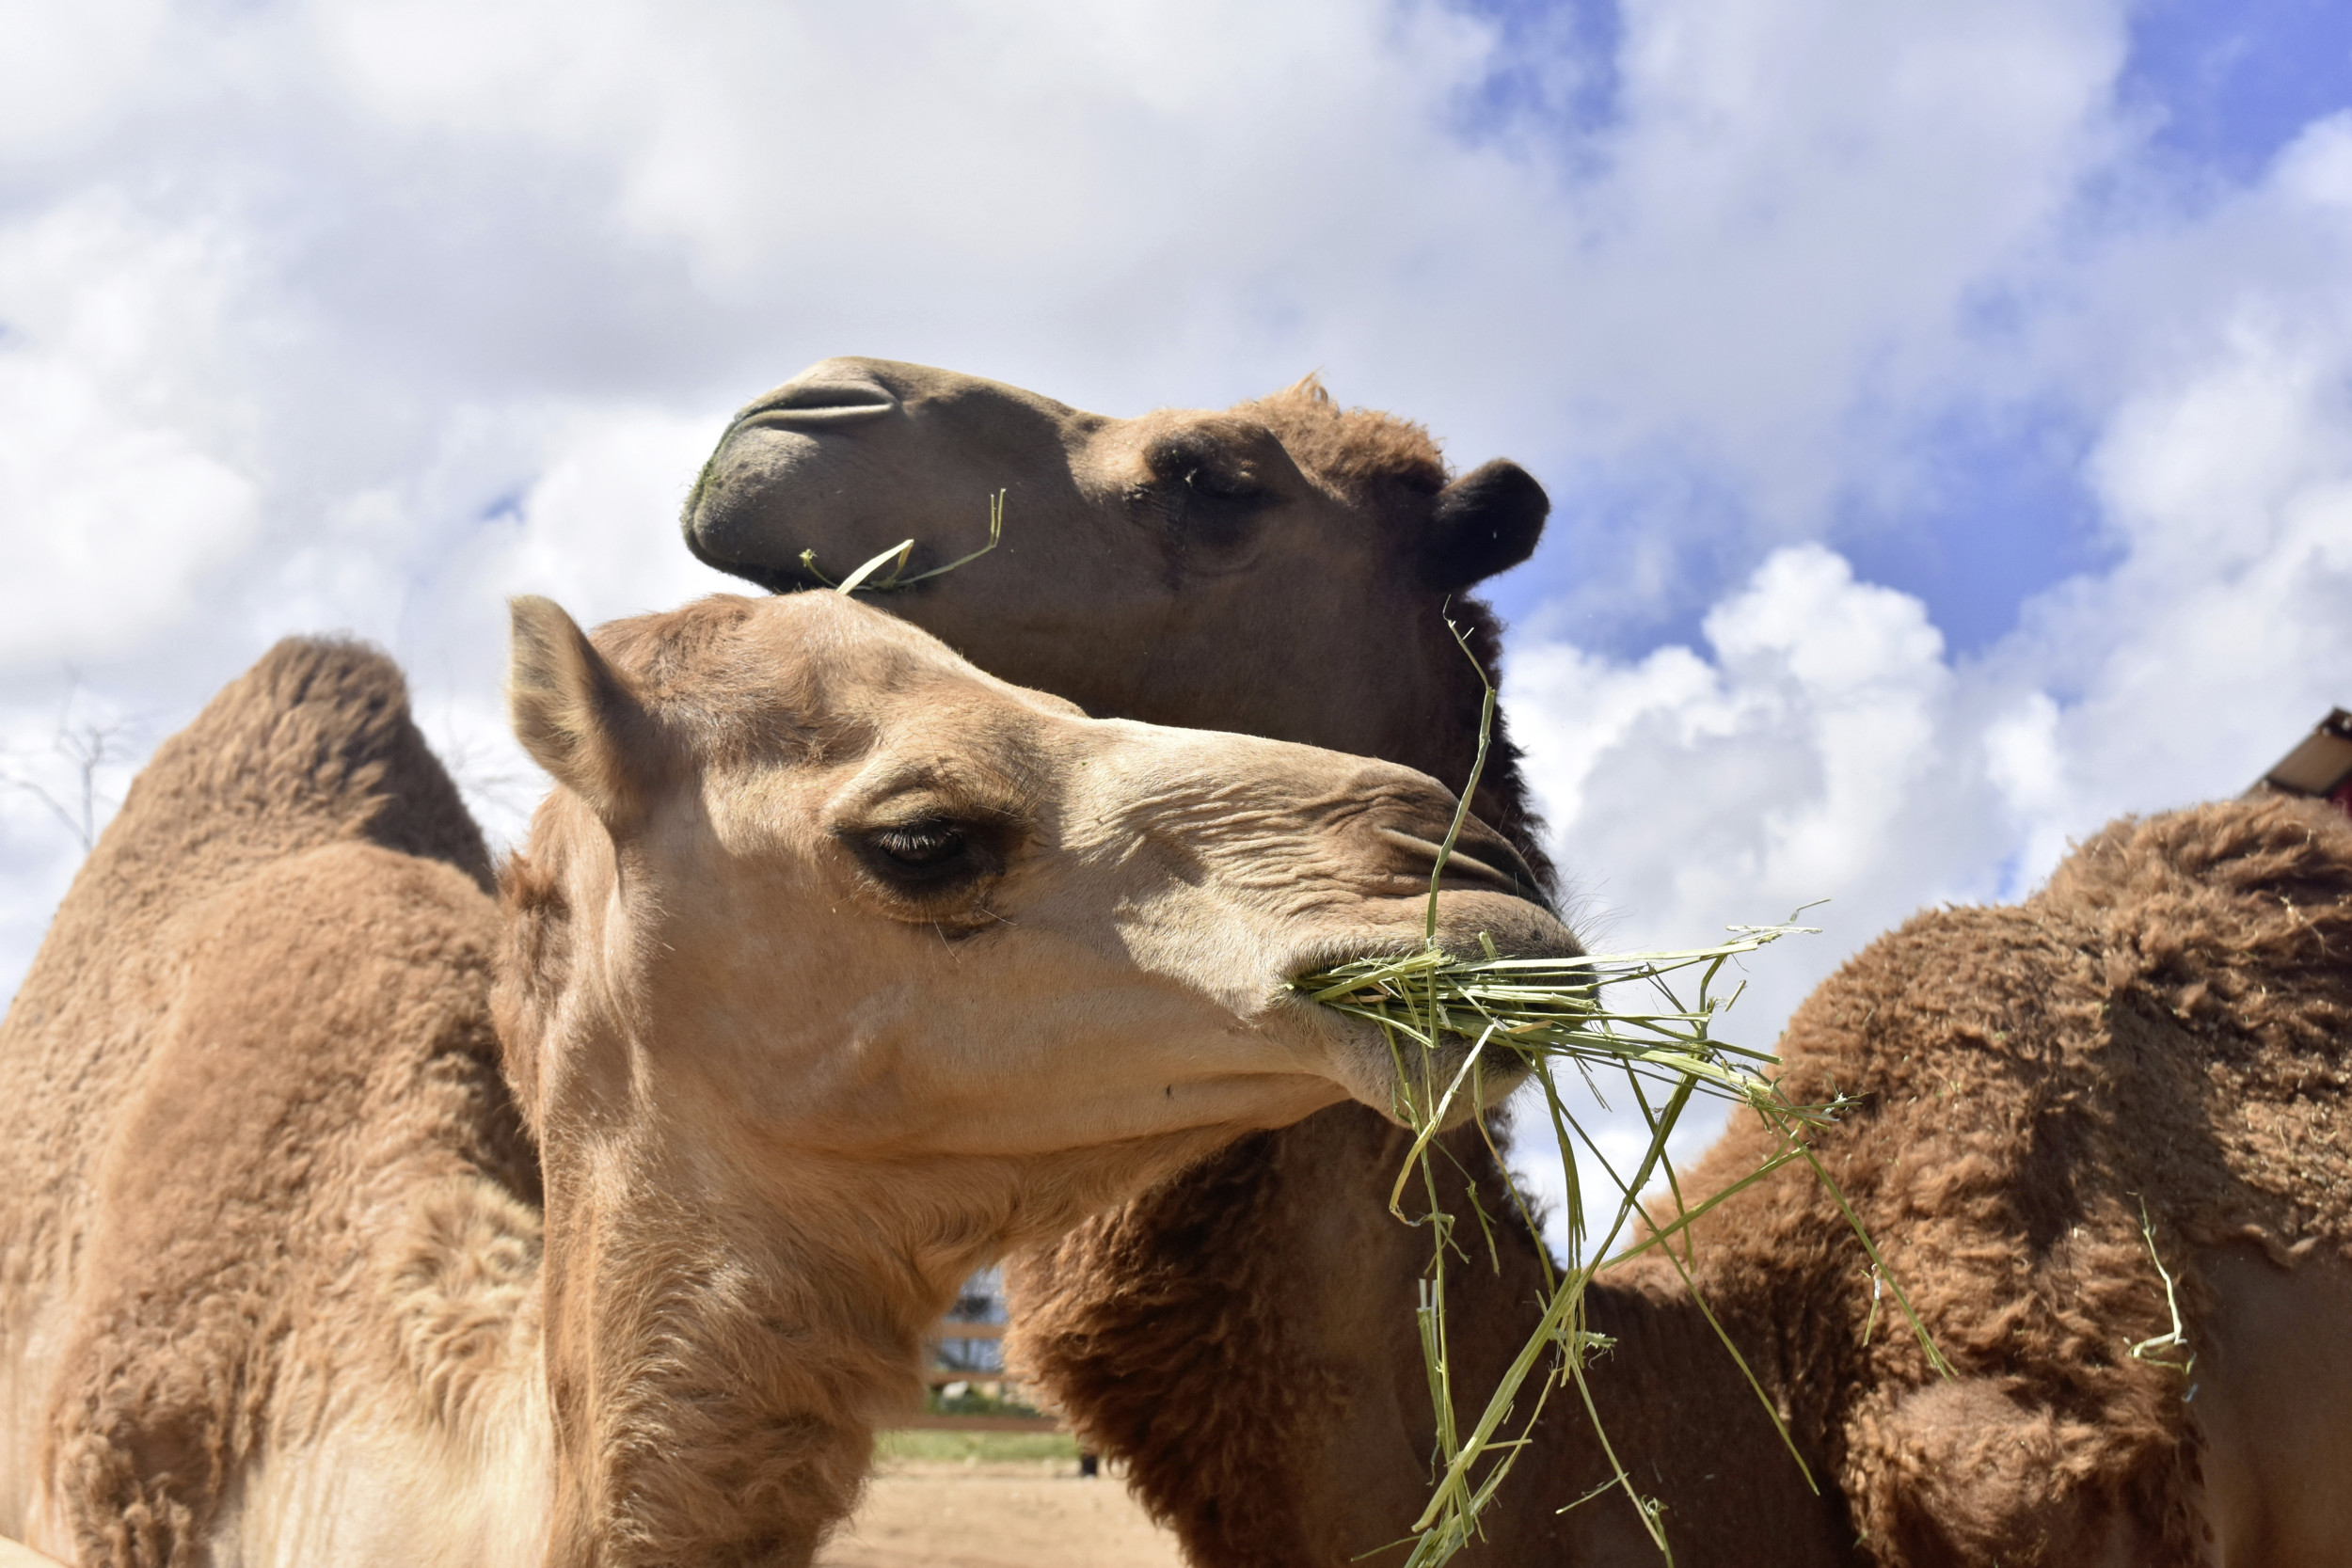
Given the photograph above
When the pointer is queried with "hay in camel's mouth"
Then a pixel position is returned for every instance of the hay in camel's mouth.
(1453, 1024)
(1492, 1010)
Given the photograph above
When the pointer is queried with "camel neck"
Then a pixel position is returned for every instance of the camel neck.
(1696, 1436)
(715, 1380)
(1445, 743)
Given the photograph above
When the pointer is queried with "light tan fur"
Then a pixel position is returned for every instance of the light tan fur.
(295, 1274)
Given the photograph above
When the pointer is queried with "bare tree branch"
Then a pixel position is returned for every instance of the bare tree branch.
(89, 747)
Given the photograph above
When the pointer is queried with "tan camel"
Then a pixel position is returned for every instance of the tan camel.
(834, 968)
(1243, 1334)
(1285, 568)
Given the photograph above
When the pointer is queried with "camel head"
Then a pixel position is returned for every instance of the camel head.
(1281, 568)
(837, 966)
(809, 876)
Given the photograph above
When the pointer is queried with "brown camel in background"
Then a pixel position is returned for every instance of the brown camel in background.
(833, 967)
(1283, 568)
(1243, 1334)
(2157, 1038)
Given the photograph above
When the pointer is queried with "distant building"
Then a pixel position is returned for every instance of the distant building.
(2321, 766)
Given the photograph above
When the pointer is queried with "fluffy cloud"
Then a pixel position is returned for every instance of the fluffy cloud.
(123, 443)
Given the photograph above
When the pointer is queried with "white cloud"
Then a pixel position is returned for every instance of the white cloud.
(66, 68)
(122, 480)
(596, 532)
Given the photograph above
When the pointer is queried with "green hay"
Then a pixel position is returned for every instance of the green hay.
(1451, 1022)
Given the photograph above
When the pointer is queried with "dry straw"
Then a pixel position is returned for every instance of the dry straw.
(1454, 1020)
(863, 580)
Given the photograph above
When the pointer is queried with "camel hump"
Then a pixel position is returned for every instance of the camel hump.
(2270, 846)
(314, 744)
(2267, 877)
(2235, 916)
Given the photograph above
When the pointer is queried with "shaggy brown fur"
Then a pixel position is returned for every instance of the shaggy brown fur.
(282, 941)
(2164, 1023)
(1371, 457)
(1257, 1364)
(1390, 471)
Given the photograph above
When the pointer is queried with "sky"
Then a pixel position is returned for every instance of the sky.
(1947, 409)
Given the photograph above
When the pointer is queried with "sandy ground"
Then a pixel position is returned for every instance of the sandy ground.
(934, 1514)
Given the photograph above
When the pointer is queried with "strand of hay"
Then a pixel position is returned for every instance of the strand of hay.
(1545, 1016)
(857, 581)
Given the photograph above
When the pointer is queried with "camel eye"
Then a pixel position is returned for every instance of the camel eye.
(931, 856)
(1206, 491)
(1207, 510)
(921, 845)
(1209, 485)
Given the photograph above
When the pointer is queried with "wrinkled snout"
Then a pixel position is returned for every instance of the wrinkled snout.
(1386, 851)
(1398, 844)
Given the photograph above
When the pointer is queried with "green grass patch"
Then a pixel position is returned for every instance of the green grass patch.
(983, 1448)
(973, 1401)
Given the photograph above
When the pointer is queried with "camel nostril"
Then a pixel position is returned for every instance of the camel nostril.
(1475, 858)
(818, 404)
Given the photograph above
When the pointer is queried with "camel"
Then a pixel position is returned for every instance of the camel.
(1151, 568)
(1284, 568)
(1242, 1335)
(355, 1216)
(2100, 1138)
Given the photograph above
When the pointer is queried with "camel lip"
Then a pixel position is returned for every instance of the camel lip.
(817, 406)
(1389, 1074)
(790, 577)
(777, 577)
(776, 580)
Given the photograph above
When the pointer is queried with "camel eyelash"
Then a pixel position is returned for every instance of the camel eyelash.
(930, 856)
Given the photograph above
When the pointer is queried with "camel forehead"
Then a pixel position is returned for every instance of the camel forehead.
(1343, 446)
(807, 656)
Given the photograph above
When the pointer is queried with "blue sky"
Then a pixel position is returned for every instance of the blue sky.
(2229, 87)
(1997, 509)
(1946, 407)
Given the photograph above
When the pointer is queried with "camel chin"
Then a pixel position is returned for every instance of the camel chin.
(1392, 1076)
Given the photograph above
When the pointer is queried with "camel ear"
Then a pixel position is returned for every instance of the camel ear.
(577, 716)
(1487, 521)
